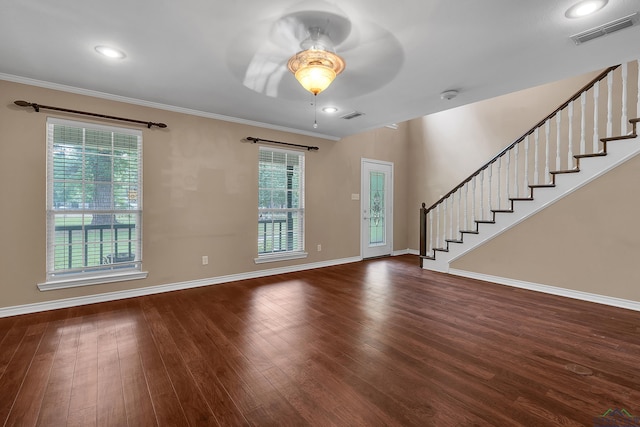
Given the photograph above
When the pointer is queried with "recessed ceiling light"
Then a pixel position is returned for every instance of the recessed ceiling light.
(110, 52)
(330, 109)
(585, 8)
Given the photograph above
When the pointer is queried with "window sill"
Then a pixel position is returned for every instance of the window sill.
(280, 257)
(74, 282)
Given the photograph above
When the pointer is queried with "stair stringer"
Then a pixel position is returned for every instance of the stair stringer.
(591, 168)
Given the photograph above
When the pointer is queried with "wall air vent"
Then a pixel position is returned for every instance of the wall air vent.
(608, 28)
(352, 115)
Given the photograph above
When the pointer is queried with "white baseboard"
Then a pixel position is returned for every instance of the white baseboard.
(406, 252)
(584, 296)
(132, 293)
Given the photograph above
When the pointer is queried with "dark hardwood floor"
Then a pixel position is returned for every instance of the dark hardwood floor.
(374, 343)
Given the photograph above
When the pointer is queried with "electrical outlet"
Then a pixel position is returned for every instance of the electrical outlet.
(319, 248)
(205, 260)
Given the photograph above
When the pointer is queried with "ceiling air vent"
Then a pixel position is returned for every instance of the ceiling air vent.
(352, 115)
(608, 28)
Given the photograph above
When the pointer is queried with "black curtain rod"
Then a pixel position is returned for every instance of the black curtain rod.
(37, 108)
(255, 140)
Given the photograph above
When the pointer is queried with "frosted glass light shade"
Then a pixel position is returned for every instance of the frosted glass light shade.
(315, 78)
(315, 69)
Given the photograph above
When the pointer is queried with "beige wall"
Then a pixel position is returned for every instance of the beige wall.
(586, 242)
(200, 194)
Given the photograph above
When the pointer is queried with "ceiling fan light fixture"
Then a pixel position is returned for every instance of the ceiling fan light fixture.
(315, 69)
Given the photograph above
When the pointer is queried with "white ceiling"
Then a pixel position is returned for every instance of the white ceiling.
(227, 59)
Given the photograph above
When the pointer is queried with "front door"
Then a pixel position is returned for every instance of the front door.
(376, 221)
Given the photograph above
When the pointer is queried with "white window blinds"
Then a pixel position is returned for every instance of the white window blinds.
(94, 199)
(280, 202)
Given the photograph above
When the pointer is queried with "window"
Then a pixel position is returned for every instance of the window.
(94, 204)
(280, 205)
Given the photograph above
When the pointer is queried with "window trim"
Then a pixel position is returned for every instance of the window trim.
(294, 254)
(70, 279)
(95, 279)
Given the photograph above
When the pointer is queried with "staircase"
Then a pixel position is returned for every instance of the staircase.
(585, 137)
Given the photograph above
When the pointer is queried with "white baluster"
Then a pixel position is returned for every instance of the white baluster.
(610, 104)
(570, 147)
(638, 103)
(583, 123)
(558, 123)
(466, 205)
(536, 138)
(444, 223)
(459, 205)
(547, 131)
(473, 200)
(499, 181)
(623, 120)
(526, 164)
(430, 232)
(506, 190)
(438, 226)
(451, 200)
(596, 132)
(515, 172)
(481, 195)
(490, 170)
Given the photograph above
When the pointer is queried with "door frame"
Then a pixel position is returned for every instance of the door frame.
(388, 203)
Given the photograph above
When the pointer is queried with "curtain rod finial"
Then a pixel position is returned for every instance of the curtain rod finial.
(28, 104)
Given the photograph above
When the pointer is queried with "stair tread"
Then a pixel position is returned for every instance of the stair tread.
(637, 120)
(575, 170)
(453, 241)
(441, 249)
(584, 156)
(502, 210)
(428, 257)
(542, 185)
(524, 199)
(485, 221)
(470, 231)
(616, 138)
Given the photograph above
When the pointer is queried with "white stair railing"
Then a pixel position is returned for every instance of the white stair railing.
(473, 200)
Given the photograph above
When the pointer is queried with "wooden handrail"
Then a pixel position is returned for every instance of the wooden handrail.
(575, 96)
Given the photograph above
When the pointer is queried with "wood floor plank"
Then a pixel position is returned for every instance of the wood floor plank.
(11, 342)
(378, 342)
(29, 399)
(55, 403)
(165, 402)
(205, 364)
(18, 366)
(137, 400)
(195, 408)
(110, 406)
(84, 384)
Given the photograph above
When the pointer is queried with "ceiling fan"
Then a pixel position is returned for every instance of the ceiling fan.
(266, 56)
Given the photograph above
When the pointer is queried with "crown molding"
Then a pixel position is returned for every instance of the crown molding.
(159, 106)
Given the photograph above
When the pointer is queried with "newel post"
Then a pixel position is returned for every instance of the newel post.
(423, 232)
